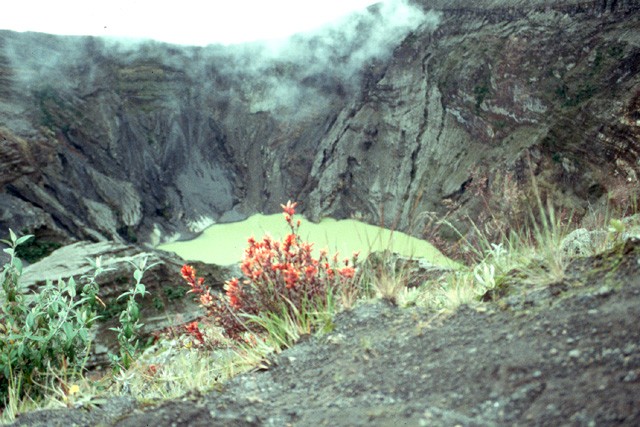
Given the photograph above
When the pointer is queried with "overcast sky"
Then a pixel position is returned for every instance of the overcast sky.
(193, 22)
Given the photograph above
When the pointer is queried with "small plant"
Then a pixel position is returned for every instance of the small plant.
(386, 281)
(616, 229)
(130, 325)
(41, 333)
(283, 282)
(456, 290)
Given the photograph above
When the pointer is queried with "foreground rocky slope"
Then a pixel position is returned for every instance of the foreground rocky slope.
(137, 143)
(561, 354)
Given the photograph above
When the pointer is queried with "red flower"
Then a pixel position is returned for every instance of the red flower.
(289, 241)
(285, 269)
(291, 277)
(188, 273)
(194, 330)
(347, 272)
(234, 293)
(257, 274)
(310, 271)
(330, 272)
(289, 208)
(206, 298)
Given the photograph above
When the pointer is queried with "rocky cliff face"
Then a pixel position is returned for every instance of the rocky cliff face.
(452, 115)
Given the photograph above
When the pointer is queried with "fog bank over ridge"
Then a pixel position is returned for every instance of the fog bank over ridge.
(188, 22)
(286, 72)
(286, 75)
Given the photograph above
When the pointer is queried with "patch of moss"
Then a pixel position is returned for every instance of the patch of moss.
(598, 61)
(33, 250)
(616, 52)
(112, 309)
(480, 93)
(128, 233)
(175, 292)
(158, 304)
(583, 93)
(562, 92)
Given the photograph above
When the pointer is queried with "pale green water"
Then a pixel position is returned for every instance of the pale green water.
(224, 244)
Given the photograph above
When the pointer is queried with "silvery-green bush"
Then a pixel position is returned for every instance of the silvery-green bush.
(47, 331)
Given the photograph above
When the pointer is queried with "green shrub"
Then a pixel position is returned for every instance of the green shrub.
(41, 332)
(44, 336)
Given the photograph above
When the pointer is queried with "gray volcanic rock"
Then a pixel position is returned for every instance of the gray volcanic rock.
(453, 114)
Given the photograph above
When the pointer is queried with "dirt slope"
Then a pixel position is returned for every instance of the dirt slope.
(565, 354)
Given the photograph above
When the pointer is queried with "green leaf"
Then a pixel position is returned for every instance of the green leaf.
(9, 251)
(18, 264)
(30, 320)
(69, 331)
(616, 226)
(12, 236)
(71, 287)
(124, 294)
(134, 311)
(137, 275)
(140, 289)
(23, 239)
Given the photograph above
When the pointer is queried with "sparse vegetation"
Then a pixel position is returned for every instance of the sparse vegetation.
(45, 339)
(286, 294)
(34, 249)
(44, 334)
(480, 93)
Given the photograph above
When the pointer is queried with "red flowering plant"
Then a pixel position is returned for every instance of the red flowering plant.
(279, 276)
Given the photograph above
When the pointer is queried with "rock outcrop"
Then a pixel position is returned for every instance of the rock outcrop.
(151, 142)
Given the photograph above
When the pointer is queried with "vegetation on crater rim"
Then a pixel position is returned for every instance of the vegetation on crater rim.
(286, 293)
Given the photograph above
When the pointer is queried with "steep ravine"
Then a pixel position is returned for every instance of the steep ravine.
(138, 144)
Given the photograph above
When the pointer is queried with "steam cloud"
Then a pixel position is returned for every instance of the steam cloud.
(293, 72)
(291, 76)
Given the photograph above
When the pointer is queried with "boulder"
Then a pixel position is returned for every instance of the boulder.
(582, 242)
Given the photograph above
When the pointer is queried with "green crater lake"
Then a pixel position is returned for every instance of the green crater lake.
(224, 244)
